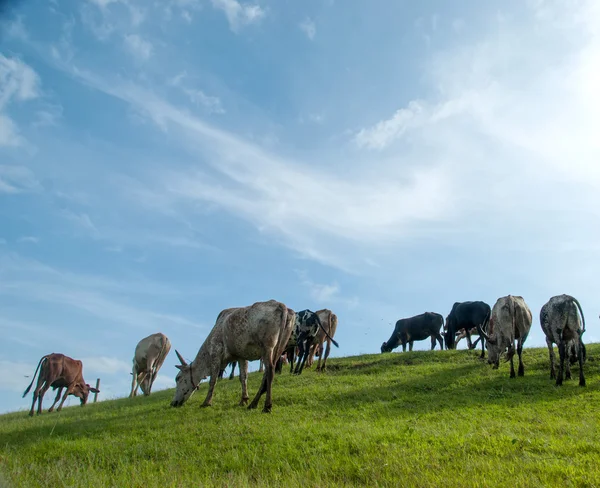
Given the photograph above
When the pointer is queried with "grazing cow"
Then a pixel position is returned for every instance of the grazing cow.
(460, 335)
(59, 371)
(259, 331)
(307, 326)
(150, 354)
(465, 316)
(560, 322)
(509, 321)
(417, 328)
(329, 321)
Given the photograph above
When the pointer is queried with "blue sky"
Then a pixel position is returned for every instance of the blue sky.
(160, 162)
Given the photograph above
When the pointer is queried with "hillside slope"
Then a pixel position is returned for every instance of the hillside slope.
(410, 419)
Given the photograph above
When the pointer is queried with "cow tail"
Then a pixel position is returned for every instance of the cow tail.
(326, 333)
(163, 354)
(34, 375)
(512, 313)
(581, 312)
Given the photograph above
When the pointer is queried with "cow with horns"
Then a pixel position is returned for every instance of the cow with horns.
(242, 334)
(561, 325)
(509, 321)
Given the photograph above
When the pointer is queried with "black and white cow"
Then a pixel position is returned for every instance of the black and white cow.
(560, 322)
(305, 333)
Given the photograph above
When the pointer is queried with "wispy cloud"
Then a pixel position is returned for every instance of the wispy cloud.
(105, 365)
(17, 179)
(309, 28)
(325, 294)
(18, 83)
(29, 239)
(15, 375)
(239, 14)
(139, 48)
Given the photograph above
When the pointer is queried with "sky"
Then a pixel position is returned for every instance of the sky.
(162, 161)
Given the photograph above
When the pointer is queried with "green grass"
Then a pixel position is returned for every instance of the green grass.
(409, 419)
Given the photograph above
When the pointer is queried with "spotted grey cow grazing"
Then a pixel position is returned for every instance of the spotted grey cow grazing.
(560, 322)
(509, 321)
(417, 328)
(242, 334)
(464, 317)
(307, 326)
(59, 371)
(149, 356)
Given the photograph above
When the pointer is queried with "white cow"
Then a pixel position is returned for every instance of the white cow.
(242, 334)
(150, 354)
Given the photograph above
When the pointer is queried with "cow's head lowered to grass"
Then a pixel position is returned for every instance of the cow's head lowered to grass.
(186, 381)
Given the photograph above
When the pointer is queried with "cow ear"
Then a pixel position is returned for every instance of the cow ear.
(94, 390)
(179, 366)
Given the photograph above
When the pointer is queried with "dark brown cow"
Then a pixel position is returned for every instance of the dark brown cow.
(59, 371)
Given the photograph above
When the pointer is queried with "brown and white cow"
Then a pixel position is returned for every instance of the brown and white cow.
(149, 356)
(561, 325)
(510, 321)
(329, 321)
(259, 331)
(59, 371)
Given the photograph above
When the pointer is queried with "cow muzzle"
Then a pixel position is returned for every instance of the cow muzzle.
(177, 403)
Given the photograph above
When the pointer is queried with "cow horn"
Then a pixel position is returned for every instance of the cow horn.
(484, 335)
(183, 362)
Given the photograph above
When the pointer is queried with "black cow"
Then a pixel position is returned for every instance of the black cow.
(417, 328)
(465, 316)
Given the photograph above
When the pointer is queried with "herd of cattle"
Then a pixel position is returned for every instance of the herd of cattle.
(272, 333)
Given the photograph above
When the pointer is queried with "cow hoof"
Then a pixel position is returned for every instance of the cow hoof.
(31, 414)
(266, 409)
(204, 405)
(581, 382)
(244, 402)
(252, 406)
(50, 410)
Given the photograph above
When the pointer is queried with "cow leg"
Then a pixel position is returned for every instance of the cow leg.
(261, 390)
(404, 347)
(55, 400)
(482, 355)
(261, 367)
(552, 358)
(68, 390)
(468, 336)
(327, 350)
(580, 357)
(41, 394)
(304, 355)
(214, 375)
(232, 374)
(511, 352)
(520, 353)
(439, 338)
(270, 375)
(319, 350)
(36, 394)
(292, 359)
(134, 374)
(561, 354)
(410, 345)
(243, 367)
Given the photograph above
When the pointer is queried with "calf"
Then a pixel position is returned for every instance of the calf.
(416, 328)
(561, 325)
(509, 321)
(329, 321)
(59, 371)
(307, 326)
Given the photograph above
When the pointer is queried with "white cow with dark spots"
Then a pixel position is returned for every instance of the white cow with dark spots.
(560, 322)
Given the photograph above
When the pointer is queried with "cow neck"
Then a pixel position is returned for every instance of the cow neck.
(201, 363)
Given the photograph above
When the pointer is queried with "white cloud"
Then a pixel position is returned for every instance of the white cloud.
(239, 14)
(17, 179)
(99, 365)
(15, 375)
(29, 239)
(138, 47)
(18, 83)
(309, 28)
(325, 294)
(212, 104)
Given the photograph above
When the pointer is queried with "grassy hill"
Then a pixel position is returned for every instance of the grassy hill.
(409, 419)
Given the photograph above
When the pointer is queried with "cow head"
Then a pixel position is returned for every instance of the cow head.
(385, 347)
(186, 382)
(450, 332)
(491, 343)
(82, 391)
